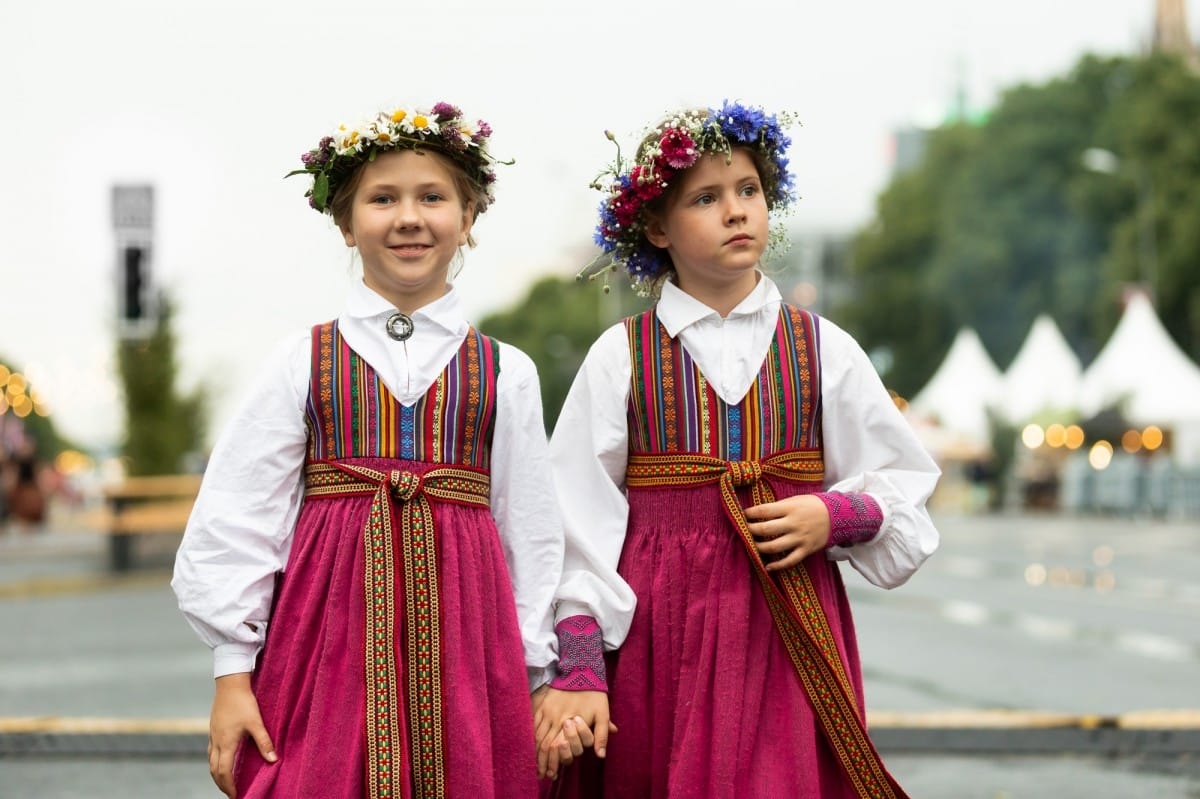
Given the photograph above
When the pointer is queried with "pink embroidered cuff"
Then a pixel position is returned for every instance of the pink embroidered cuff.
(853, 517)
(580, 655)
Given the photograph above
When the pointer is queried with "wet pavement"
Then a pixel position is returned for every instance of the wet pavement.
(79, 642)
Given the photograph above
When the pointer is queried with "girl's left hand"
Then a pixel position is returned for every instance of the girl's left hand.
(789, 530)
(567, 722)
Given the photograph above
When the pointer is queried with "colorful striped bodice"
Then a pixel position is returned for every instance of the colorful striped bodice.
(672, 407)
(352, 414)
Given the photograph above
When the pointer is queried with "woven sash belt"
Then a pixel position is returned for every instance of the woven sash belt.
(790, 595)
(405, 497)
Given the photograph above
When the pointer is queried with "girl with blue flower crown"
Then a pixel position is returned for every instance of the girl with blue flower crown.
(375, 547)
(718, 457)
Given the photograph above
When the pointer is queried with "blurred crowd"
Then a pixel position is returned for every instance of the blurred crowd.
(25, 482)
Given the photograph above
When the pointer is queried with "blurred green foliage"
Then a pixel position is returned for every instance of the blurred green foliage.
(162, 426)
(556, 323)
(1005, 219)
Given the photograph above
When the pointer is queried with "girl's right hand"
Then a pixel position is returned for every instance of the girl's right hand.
(235, 715)
(567, 722)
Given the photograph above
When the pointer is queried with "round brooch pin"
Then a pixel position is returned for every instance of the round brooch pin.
(399, 326)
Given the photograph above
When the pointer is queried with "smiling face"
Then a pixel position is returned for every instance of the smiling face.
(715, 227)
(407, 218)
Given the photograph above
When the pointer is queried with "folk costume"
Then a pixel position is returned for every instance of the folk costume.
(726, 681)
(376, 519)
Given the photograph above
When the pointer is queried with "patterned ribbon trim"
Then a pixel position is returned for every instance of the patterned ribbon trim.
(412, 492)
(794, 605)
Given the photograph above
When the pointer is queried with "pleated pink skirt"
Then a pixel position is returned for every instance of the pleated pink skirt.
(310, 678)
(705, 695)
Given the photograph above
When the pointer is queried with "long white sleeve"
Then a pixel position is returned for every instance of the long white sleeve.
(524, 507)
(589, 451)
(870, 447)
(240, 530)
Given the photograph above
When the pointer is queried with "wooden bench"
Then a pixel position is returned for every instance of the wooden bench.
(151, 505)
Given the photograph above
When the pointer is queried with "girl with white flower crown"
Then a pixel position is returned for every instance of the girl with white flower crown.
(717, 458)
(375, 547)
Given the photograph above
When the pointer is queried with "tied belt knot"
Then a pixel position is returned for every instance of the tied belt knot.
(403, 487)
(744, 473)
(403, 484)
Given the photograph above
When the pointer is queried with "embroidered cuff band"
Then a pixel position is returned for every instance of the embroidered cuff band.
(853, 517)
(580, 655)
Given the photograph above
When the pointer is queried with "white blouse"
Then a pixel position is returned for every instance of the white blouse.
(868, 447)
(240, 531)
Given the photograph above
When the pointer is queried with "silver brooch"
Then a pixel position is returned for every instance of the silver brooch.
(399, 326)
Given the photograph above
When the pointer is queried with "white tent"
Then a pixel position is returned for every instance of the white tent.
(956, 398)
(1142, 370)
(1044, 375)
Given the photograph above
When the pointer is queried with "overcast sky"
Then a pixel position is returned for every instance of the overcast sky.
(212, 102)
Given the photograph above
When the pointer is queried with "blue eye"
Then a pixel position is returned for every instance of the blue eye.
(432, 197)
(381, 199)
(705, 199)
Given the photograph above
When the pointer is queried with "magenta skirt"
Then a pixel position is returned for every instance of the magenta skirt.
(705, 695)
(310, 680)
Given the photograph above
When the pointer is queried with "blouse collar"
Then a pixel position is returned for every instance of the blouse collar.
(677, 309)
(446, 311)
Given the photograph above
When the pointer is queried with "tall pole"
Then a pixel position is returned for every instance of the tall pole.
(1171, 31)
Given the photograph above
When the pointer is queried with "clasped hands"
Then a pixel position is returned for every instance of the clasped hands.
(565, 723)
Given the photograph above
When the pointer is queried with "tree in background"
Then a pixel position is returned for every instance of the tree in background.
(162, 427)
(555, 324)
(1007, 219)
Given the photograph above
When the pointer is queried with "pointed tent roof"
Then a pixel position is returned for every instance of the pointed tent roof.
(1144, 370)
(961, 389)
(1044, 375)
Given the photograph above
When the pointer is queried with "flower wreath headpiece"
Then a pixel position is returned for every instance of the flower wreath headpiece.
(441, 128)
(668, 149)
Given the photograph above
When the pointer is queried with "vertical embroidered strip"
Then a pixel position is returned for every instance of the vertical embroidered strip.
(412, 492)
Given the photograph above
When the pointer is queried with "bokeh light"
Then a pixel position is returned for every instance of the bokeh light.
(1100, 455)
(1056, 435)
(1035, 574)
(1075, 437)
(1131, 441)
(1033, 436)
(1152, 438)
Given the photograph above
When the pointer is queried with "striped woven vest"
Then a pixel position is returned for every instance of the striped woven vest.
(352, 414)
(672, 407)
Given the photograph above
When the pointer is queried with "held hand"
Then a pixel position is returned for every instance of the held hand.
(567, 722)
(789, 530)
(235, 715)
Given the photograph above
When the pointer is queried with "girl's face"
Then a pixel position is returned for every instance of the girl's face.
(715, 227)
(407, 221)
